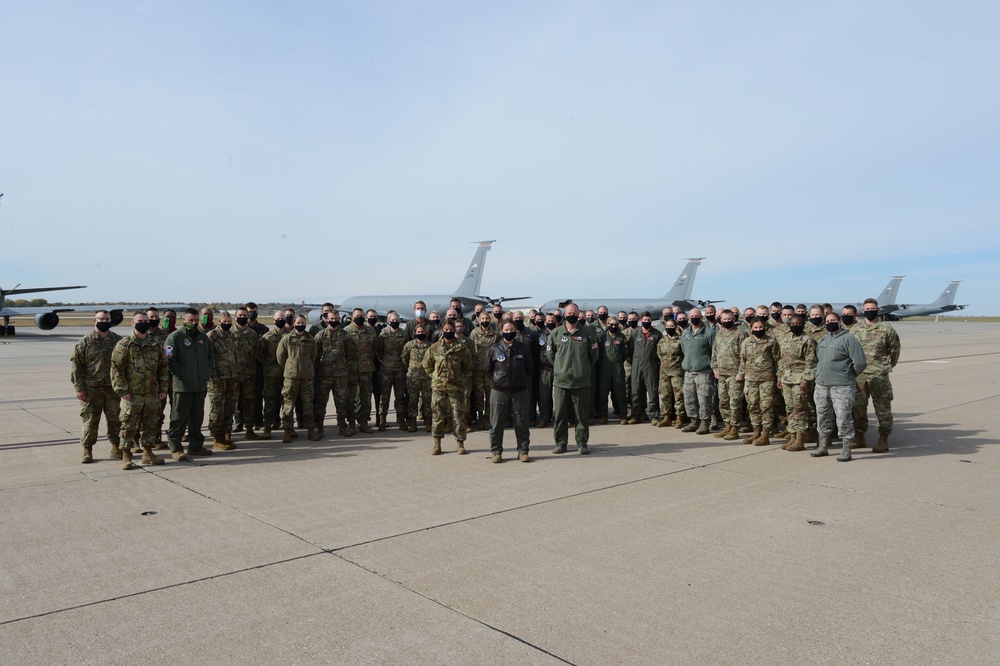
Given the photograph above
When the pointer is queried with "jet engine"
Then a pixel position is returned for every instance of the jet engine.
(47, 321)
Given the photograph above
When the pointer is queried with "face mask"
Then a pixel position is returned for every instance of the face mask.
(550, 325)
(448, 335)
(419, 314)
(710, 318)
(497, 315)
(647, 324)
(847, 319)
(485, 324)
(833, 327)
(613, 328)
(421, 336)
(435, 322)
(153, 323)
(242, 321)
(334, 323)
(758, 333)
(142, 327)
(359, 321)
(191, 328)
(633, 323)
(572, 319)
(682, 323)
(324, 315)
(672, 330)
(776, 316)
(761, 318)
(253, 315)
(590, 320)
(816, 321)
(519, 324)
(458, 310)
(510, 335)
(786, 319)
(372, 321)
(603, 317)
(695, 321)
(871, 315)
(394, 325)
(206, 320)
(226, 326)
(167, 323)
(103, 326)
(727, 323)
(301, 328)
(797, 330)
(280, 323)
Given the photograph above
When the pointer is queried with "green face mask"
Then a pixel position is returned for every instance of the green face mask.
(204, 320)
(165, 324)
(191, 328)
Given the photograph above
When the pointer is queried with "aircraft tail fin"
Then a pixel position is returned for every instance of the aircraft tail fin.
(947, 296)
(684, 284)
(469, 287)
(890, 294)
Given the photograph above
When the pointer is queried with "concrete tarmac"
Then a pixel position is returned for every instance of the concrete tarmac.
(660, 548)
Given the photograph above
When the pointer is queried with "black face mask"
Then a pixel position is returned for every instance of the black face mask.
(683, 323)
(550, 325)
(324, 315)
(633, 324)
(671, 330)
(421, 336)
(334, 323)
(519, 324)
(242, 321)
(103, 326)
(509, 335)
(710, 318)
(833, 327)
(776, 316)
(372, 321)
(603, 317)
(359, 321)
(847, 319)
(572, 319)
(871, 315)
(153, 323)
(761, 318)
(613, 328)
(253, 315)
(796, 330)
(142, 327)
(590, 320)
(485, 324)
(301, 328)
(279, 323)
(695, 321)
(394, 325)
(448, 335)
(816, 321)
(758, 333)
(727, 323)
(226, 326)
(647, 325)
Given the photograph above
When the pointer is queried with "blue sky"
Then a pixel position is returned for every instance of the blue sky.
(191, 151)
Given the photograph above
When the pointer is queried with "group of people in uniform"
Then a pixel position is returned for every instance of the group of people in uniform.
(785, 372)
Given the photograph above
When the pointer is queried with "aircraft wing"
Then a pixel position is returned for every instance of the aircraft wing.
(21, 312)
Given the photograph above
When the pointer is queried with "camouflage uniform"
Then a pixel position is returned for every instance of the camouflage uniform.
(296, 354)
(671, 389)
(449, 365)
(273, 378)
(332, 362)
(247, 342)
(615, 350)
(139, 369)
(91, 374)
(759, 367)
(418, 382)
(482, 339)
(361, 365)
(222, 385)
(797, 364)
(881, 344)
(392, 375)
(726, 363)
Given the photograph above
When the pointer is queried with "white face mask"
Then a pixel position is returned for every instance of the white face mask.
(419, 314)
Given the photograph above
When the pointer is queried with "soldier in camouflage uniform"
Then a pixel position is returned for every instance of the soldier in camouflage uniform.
(882, 347)
(247, 343)
(671, 388)
(296, 354)
(159, 334)
(361, 352)
(725, 366)
(392, 373)
(448, 363)
(418, 382)
(796, 375)
(816, 327)
(91, 377)
(139, 374)
(483, 338)
(615, 350)
(849, 317)
(222, 384)
(273, 373)
(331, 369)
(758, 370)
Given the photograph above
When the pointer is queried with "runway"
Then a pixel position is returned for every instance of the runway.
(661, 547)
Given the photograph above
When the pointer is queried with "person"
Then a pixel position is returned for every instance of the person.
(448, 363)
(508, 366)
(696, 345)
(611, 380)
(667, 314)
(361, 352)
(296, 354)
(645, 372)
(392, 373)
(483, 339)
(261, 330)
(91, 377)
(273, 374)
(758, 371)
(545, 374)
(139, 375)
(816, 326)
(456, 305)
(882, 347)
(529, 336)
(796, 375)
(159, 333)
(418, 382)
(725, 366)
(419, 319)
(247, 343)
(332, 362)
(572, 351)
(324, 315)
(671, 388)
(840, 359)
(190, 359)
(222, 384)
(849, 317)
(206, 321)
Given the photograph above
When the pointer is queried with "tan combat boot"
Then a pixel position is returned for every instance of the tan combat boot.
(723, 432)
(250, 435)
(221, 444)
(753, 437)
(782, 434)
(733, 434)
(859, 440)
(622, 421)
(313, 435)
(679, 422)
(795, 444)
(764, 438)
(691, 427)
(127, 458)
(289, 435)
(665, 422)
(702, 428)
(150, 458)
(436, 451)
(883, 443)
(179, 456)
(229, 438)
(381, 423)
(413, 425)
(88, 454)
(461, 449)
